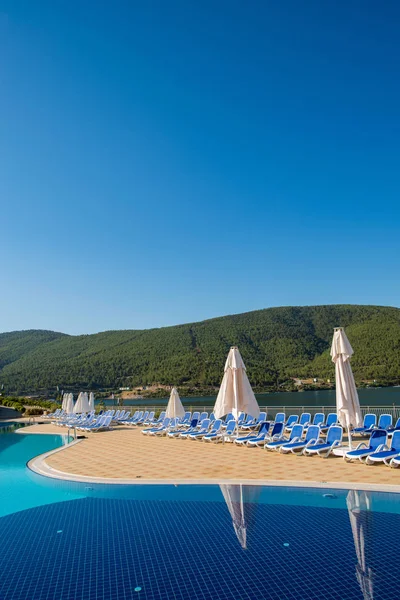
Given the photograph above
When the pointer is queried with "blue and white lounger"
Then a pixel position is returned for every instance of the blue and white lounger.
(385, 422)
(280, 417)
(223, 435)
(386, 454)
(292, 420)
(198, 434)
(215, 429)
(319, 419)
(295, 436)
(254, 423)
(298, 446)
(324, 448)
(276, 433)
(377, 442)
(165, 423)
(229, 417)
(177, 432)
(368, 425)
(160, 431)
(330, 420)
(254, 435)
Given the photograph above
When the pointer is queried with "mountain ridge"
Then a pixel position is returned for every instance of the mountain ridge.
(276, 344)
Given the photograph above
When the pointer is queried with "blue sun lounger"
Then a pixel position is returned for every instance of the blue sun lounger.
(164, 423)
(215, 429)
(198, 434)
(160, 431)
(291, 422)
(187, 419)
(298, 446)
(260, 435)
(215, 432)
(330, 420)
(177, 432)
(132, 418)
(385, 422)
(248, 426)
(324, 448)
(150, 419)
(319, 419)
(377, 442)
(280, 417)
(368, 425)
(277, 432)
(229, 417)
(224, 435)
(386, 454)
(295, 436)
(102, 423)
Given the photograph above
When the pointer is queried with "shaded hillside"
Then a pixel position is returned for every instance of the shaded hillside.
(276, 343)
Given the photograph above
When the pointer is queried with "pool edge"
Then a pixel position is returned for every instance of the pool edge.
(39, 466)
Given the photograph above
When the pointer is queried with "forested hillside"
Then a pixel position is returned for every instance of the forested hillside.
(276, 344)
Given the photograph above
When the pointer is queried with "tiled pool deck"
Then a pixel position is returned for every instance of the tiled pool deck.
(125, 455)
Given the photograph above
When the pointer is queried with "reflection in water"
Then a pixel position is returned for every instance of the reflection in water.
(241, 501)
(359, 505)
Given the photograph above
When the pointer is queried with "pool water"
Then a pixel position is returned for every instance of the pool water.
(65, 540)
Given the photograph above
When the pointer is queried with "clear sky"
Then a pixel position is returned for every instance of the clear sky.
(165, 162)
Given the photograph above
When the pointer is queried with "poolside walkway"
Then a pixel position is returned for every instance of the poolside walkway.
(125, 453)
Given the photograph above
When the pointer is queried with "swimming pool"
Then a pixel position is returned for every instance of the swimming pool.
(68, 540)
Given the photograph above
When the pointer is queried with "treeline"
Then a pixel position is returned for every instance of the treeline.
(276, 344)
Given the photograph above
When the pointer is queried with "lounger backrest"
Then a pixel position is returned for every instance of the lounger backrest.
(292, 420)
(216, 425)
(318, 419)
(196, 415)
(231, 426)
(262, 417)
(378, 437)
(204, 415)
(212, 418)
(162, 416)
(396, 441)
(278, 428)
(151, 416)
(335, 433)
(145, 415)
(280, 417)
(229, 417)
(385, 421)
(305, 418)
(166, 422)
(187, 416)
(297, 431)
(264, 427)
(397, 423)
(241, 418)
(312, 433)
(107, 421)
(205, 424)
(248, 420)
(331, 419)
(369, 420)
(135, 414)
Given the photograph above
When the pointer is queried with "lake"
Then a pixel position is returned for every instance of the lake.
(368, 397)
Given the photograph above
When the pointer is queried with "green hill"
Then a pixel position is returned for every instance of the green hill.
(276, 343)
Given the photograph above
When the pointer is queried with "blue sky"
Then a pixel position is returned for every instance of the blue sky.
(166, 162)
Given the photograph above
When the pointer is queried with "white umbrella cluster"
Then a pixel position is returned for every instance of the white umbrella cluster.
(68, 403)
(82, 403)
